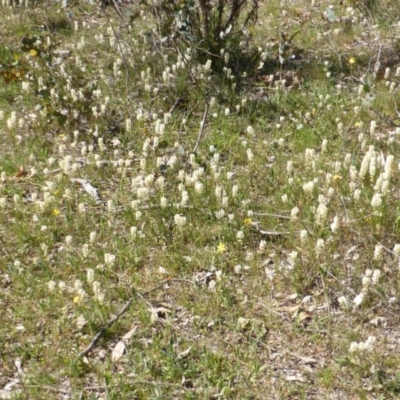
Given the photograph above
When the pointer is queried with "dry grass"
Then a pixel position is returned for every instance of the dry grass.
(263, 266)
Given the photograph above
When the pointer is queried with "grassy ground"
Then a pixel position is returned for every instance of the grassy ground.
(264, 266)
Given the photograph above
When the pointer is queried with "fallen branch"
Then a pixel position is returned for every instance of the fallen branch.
(114, 319)
(388, 120)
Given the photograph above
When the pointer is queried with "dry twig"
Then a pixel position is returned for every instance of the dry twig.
(114, 319)
(202, 126)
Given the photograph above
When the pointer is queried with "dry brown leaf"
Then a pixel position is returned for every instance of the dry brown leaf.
(32, 172)
(21, 172)
(118, 351)
(289, 309)
(128, 335)
(304, 316)
(306, 299)
(81, 321)
(296, 378)
(307, 360)
(184, 354)
(88, 188)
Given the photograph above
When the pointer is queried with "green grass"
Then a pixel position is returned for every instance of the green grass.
(242, 261)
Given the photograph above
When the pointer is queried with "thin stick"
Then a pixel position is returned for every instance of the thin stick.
(175, 105)
(386, 119)
(202, 126)
(272, 215)
(103, 330)
(337, 280)
(114, 319)
(20, 373)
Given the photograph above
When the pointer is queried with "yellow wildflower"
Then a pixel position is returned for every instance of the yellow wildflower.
(56, 212)
(247, 221)
(221, 248)
(76, 299)
(336, 178)
(33, 52)
(352, 61)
